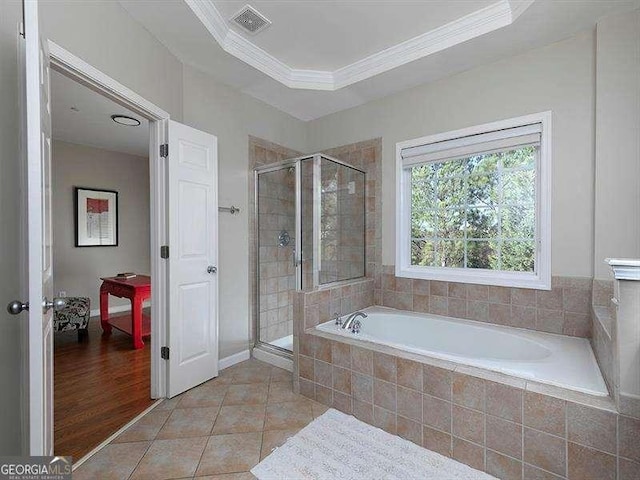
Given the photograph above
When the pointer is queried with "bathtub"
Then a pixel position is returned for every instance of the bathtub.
(566, 362)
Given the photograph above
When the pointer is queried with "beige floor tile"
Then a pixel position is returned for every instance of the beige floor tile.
(239, 419)
(281, 375)
(252, 374)
(290, 415)
(146, 428)
(228, 476)
(113, 462)
(174, 458)
(206, 395)
(189, 422)
(280, 392)
(169, 403)
(272, 439)
(318, 409)
(224, 377)
(246, 394)
(230, 453)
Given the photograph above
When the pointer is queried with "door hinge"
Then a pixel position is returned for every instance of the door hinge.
(164, 150)
(164, 353)
(164, 251)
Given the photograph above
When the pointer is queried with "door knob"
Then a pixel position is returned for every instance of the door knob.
(57, 304)
(16, 307)
(211, 269)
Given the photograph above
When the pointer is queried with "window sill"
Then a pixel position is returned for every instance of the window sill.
(480, 277)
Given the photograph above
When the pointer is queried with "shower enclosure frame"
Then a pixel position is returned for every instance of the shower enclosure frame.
(298, 260)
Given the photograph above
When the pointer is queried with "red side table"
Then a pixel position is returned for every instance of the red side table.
(136, 289)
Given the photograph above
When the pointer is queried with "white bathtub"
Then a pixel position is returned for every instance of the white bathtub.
(566, 362)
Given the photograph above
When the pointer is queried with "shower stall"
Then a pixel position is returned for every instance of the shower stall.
(310, 232)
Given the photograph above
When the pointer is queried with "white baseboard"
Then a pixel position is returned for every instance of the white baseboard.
(231, 360)
(119, 309)
(273, 359)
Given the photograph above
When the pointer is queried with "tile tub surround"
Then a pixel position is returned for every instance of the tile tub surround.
(275, 321)
(565, 309)
(625, 334)
(508, 427)
(602, 325)
(313, 307)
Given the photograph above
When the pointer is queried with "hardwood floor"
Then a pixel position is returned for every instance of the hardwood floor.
(99, 386)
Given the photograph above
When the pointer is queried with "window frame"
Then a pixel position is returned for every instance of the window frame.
(541, 278)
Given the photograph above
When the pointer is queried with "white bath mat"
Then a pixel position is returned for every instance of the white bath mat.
(336, 446)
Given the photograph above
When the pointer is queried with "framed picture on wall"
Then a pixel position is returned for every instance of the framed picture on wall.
(96, 217)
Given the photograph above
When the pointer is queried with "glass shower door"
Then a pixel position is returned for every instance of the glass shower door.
(310, 226)
(340, 215)
(276, 269)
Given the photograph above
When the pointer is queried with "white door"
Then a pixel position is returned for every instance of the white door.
(36, 212)
(193, 256)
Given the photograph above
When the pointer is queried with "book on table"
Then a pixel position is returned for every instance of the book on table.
(126, 275)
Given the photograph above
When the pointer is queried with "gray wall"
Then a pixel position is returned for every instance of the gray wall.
(558, 77)
(617, 198)
(78, 270)
(232, 116)
(104, 35)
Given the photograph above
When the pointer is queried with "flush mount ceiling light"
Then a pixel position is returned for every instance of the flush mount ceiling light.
(125, 120)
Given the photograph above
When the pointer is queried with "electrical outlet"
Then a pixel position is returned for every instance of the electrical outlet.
(62, 294)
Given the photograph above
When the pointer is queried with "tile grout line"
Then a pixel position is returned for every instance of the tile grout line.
(522, 429)
(566, 438)
(211, 431)
(140, 460)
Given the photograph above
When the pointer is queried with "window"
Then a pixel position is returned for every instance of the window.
(473, 204)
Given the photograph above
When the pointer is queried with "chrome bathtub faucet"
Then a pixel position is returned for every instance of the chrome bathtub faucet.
(346, 325)
(356, 326)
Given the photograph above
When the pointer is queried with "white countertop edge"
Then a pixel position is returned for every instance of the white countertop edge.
(624, 268)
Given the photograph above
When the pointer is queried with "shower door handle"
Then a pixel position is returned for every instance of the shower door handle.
(211, 269)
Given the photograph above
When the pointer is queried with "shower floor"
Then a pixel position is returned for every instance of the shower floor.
(283, 342)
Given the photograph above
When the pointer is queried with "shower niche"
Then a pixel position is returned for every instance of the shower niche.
(310, 232)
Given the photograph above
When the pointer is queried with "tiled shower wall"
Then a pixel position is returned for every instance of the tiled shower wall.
(277, 281)
(565, 309)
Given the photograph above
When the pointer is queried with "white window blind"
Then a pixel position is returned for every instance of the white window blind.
(483, 143)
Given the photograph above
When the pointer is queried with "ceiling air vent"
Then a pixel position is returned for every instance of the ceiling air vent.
(250, 20)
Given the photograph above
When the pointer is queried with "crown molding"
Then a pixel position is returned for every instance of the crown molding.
(497, 15)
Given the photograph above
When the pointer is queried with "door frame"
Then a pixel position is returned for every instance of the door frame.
(77, 69)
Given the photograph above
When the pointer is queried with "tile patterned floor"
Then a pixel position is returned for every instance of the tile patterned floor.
(216, 431)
